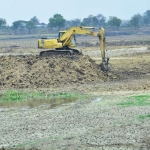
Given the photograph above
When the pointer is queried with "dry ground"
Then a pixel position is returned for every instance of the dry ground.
(91, 124)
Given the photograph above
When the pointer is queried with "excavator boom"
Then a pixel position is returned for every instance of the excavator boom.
(77, 30)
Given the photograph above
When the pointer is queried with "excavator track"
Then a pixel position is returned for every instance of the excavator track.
(69, 52)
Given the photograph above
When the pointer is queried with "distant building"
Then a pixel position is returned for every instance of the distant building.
(41, 25)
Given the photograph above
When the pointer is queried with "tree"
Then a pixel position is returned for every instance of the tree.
(114, 21)
(71, 23)
(18, 26)
(2, 23)
(35, 20)
(101, 20)
(90, 21)
(146, 17)
(136, 20)
(30, 26)
(96, 21)
(83, 24)
(57, 21)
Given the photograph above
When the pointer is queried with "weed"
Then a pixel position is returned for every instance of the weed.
(16, 96)
(139, 100)
(144, 116)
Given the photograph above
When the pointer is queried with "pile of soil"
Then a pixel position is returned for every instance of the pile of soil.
(44, 72)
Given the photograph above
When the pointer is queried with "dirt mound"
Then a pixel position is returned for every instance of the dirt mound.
(43, 72)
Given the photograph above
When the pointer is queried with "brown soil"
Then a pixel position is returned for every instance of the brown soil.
(44, 72)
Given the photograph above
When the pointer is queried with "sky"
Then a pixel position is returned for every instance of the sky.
(13, 10)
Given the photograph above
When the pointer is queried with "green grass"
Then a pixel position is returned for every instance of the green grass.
(138, 100)
(12, 96)
(16, 96)
(144, 116)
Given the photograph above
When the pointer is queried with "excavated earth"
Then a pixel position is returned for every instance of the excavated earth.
(44, 72)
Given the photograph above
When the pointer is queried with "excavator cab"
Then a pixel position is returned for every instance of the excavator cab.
(61, 34)
(72, 42)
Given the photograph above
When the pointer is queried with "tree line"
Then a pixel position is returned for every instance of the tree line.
(58, 22)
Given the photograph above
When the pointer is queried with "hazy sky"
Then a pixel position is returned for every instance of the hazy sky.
(13, 10)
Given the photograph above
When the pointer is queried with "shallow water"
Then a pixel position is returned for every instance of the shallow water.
(46, 103)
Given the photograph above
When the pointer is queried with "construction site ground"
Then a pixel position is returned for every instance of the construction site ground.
(107, 120)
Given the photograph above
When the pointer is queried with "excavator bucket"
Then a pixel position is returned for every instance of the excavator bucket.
(104, 65)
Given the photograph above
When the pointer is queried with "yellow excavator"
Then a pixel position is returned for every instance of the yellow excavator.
(66, 41)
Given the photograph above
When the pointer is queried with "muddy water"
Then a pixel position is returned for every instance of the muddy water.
(47, 104)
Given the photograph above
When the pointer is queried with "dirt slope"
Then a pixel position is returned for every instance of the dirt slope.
(43, 72)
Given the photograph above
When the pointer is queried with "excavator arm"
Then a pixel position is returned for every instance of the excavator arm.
(104, 64)
(68, 35)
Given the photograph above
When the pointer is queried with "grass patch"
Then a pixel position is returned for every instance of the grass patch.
(144, 116)
(13, 97)
(16, 96)
(139, 100)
